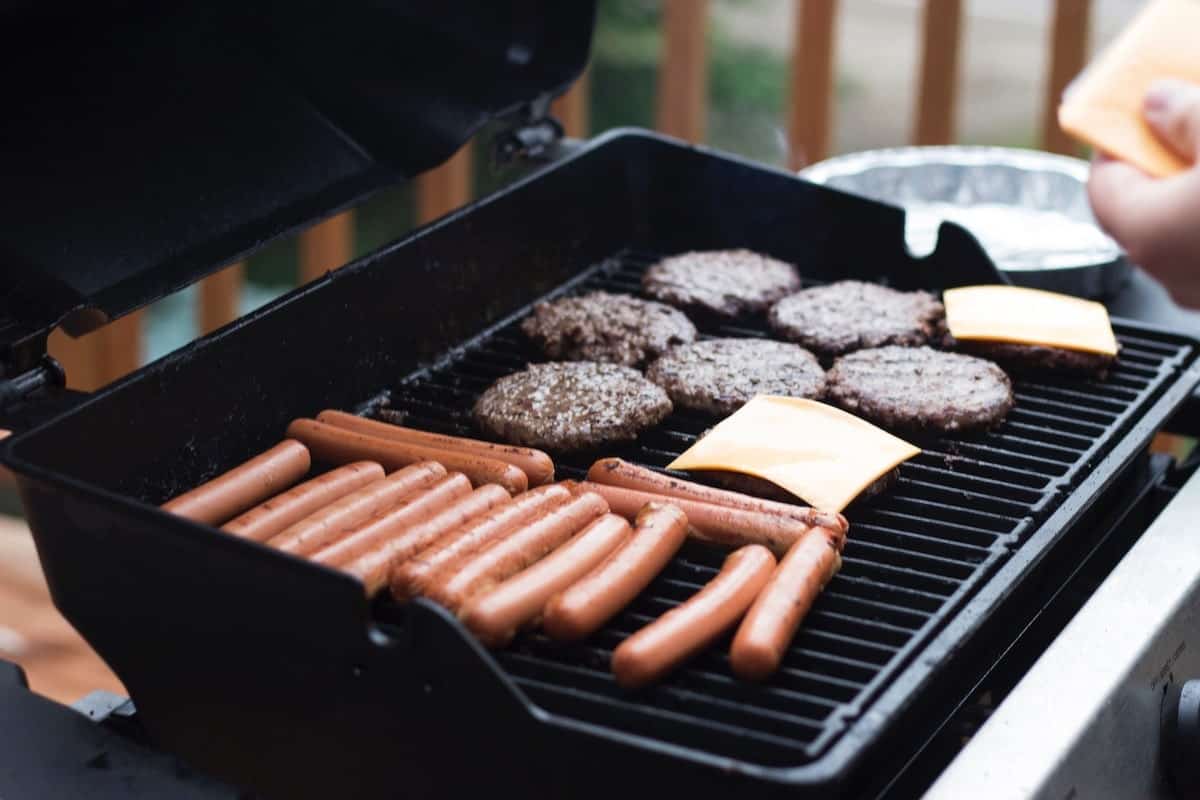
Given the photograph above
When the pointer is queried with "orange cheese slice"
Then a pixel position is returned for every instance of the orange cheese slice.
(1104, 106)
(819, 453)
(1028, 316)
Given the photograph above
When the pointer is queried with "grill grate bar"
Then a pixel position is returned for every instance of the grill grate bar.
(984, 452)
(733, 700)
(668, 724)
(984, 487)
(1032, 417)
(1021, 444)
(866, 532)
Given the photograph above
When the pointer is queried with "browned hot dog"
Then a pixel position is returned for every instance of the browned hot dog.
(536, 465)
(251, 482)
(267, 519)
(617, 472)
(506, 557)
(765, 633)
(414, 509)
(372, 566)
(326, 524)
(731, 527)
(338, 446)
(658, 533)
(412, 578)
(496, 616)
(656, 649)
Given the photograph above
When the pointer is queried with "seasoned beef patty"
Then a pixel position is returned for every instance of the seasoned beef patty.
(921, 389)
(1036, 357)
(576, 405)
(725, 283)
(599, 326)
(852, 315)
(719, 376)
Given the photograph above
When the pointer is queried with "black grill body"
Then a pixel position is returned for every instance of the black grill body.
(276, 674)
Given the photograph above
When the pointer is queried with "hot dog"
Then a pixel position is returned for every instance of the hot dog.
(228, 495)
(349, 543)
(412, 578)
(659, 531)
(338, 446)
(536, 465)
(267, 519)
(765, 633)
(656, 649)
(730, 527)
(324, 525)
(506, 557)
(496, 616)
(372, 566)
(616, 472)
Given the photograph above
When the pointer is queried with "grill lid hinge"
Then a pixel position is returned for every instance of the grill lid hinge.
(19, 387)
(535, 137)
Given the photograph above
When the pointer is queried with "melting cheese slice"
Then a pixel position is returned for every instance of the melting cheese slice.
(1104, 106)
(1028, 316)
(817, 452)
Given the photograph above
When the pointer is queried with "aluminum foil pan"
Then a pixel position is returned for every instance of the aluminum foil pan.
(1029, 210)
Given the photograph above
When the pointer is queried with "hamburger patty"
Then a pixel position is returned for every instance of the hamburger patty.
(920, 389)
(576, 405)
(719, 376)
(599, 326)
(724, 283)
(1036, 357)
(852, 315)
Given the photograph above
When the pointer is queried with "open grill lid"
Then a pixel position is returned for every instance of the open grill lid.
(146, 145)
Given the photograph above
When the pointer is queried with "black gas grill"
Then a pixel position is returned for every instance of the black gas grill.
(274, 673)
(915, 553)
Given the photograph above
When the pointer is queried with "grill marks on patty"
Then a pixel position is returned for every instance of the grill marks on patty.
(921, 389)
(719, 376)
(568, 406)
(851, 315)
(599, 326)
(722, 283)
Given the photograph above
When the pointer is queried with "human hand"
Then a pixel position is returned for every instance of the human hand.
(1157, 220)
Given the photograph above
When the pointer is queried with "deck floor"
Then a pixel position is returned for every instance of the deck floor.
(57, 661)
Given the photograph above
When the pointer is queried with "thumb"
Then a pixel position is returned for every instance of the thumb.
(1172, 110)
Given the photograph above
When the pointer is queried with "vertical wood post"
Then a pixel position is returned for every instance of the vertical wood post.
(1068, 52)
(810, 96)
(326, 246)
(683, 70)
(938, 81)
(445, 188)
(219, 298)
(572, 108)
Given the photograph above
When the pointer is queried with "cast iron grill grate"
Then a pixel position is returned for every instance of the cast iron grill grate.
(915, 553)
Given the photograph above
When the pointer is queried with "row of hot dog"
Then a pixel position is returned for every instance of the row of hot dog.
(454, 520)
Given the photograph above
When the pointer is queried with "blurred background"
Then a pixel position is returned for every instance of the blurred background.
(785, 82)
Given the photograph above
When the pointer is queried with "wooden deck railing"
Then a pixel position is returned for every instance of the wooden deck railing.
(682, 109)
